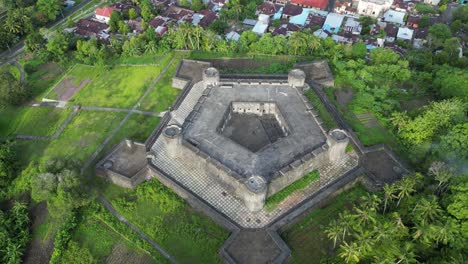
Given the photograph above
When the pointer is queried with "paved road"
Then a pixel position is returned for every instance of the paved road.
(142, 235)
(18, 48)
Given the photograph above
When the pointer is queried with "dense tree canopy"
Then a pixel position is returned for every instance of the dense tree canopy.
(12, 91)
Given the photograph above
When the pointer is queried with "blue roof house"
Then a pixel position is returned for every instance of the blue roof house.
(333, 22)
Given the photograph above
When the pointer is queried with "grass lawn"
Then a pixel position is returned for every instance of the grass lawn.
(307, 239)
(328, 121)
(272, 201)
(83, 135)
(120, 86)
(137, 128)
(187, 235)
(163, 94)
(41, 76)
(36, 121)
(100, 238)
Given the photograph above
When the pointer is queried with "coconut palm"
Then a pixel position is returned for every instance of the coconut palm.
(405, 188)
(406, 254)
(346, 222)
(371, 202)
(428, 210)
(351, 253)
(446, 233)
(442, 174)
(365, 216)
(333, 232)
(389, 194)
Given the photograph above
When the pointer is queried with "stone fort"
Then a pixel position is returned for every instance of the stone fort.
(233, 140)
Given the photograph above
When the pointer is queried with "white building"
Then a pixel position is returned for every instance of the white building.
(432, 2)
(262, 24)
(104, 14)
(396, 17)
(373, 8)
(405, 33)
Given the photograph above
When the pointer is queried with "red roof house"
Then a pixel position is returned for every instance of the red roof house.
(322, 4)
(104, 14)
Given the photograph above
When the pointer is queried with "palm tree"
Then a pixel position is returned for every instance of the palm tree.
(333, 232)
(424, 233)
(365, 216)
(389, 194)
(442, 174)
(446, 233)
(405, 188)
(406, 254)
(428, 210)
(371, 202)
(351, 253)
(346, 222)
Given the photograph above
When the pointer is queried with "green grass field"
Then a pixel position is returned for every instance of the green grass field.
(83, 135)
(101, 240)
(36, 121)
(186, 234)
(163, 94)
(119, 87)
(307, 239)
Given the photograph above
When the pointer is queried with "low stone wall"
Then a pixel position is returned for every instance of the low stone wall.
(296, 170)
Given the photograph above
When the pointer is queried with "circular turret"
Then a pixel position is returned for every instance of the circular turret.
(337, 141)
(173, 139)
(296, 78)
(211, 76)
(255, 198)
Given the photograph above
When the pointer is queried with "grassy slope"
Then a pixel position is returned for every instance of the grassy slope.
(83, 135)
(37, 121)
(307, 239)
(187, 235)
(163, 94)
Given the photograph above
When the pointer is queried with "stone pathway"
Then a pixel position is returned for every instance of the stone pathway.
(135, 229)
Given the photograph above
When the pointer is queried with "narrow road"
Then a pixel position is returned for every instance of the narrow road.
(135, 229)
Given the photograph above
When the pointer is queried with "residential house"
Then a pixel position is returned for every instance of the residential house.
(290, 10)
(352, 27)
(124, 7)
(413, 21)
(233, 35)
(320, 4)
(341, 40)
(159, 24)
(391, 32)
(218, 4)
(420, 35)
(333, 22)
(104, 14)
(302, 18)
(432, 2)
(135, 25)
(344, 8)
(249, 23)
(268, 8)
(178, 14)
(373, 8)
(91, 29)
(316, 20)
(208, 18)
(286, 29)
(394, 16)
(322, 33)
(262, 24)
(405, 33)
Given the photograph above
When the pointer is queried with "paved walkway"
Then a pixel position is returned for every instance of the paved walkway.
(135, 229)
(134, 108)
